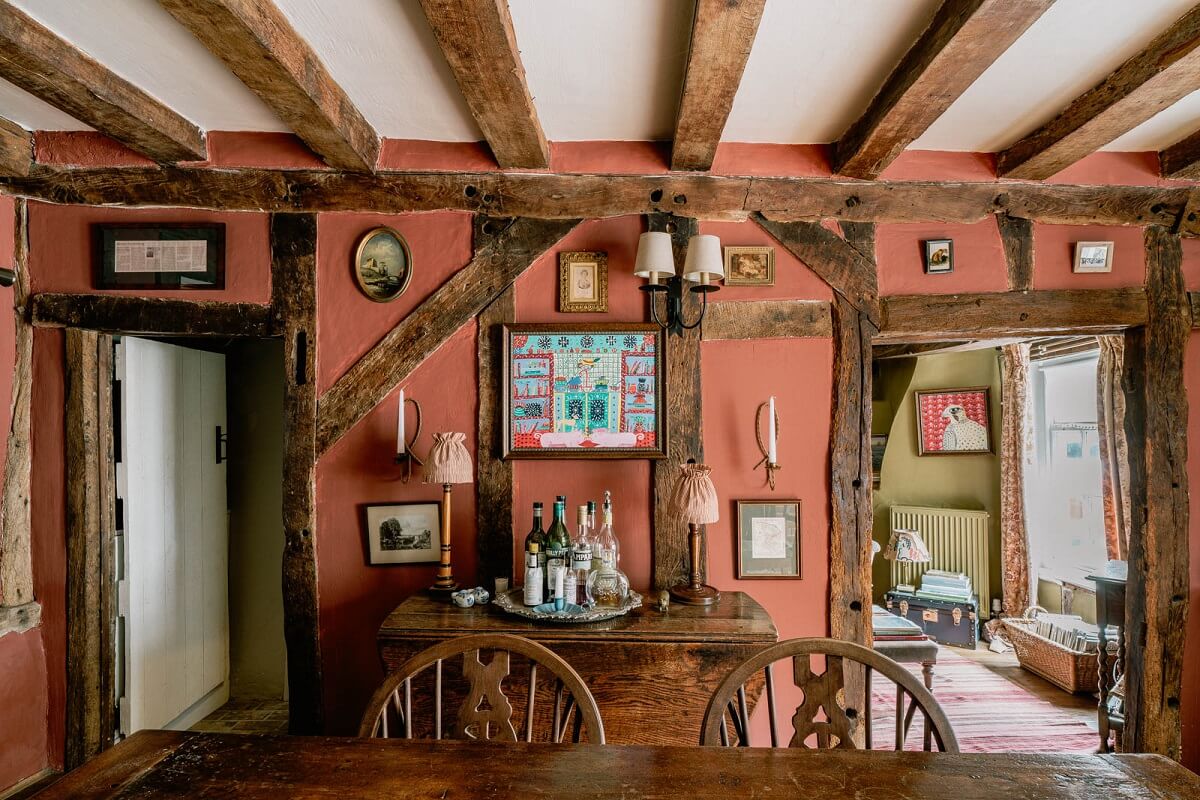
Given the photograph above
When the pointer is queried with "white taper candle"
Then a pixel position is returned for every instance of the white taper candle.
(400, 426)
(772, 455)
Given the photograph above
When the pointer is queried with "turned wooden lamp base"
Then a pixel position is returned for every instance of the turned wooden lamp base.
(445, 584)
(702, 595)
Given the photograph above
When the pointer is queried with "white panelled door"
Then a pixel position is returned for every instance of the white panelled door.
(174, 595)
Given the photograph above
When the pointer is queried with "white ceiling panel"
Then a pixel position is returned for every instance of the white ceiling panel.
(816, 64)
(1163, 129)
(144, 44)
(604, 70)
(32, 114)
(384, 55)
(1070, 49)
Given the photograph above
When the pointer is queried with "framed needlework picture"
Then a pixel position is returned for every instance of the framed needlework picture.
(583, 282)
(404, 533)
(583, 391)
(954, 422)
(176, 255)
(768, 544)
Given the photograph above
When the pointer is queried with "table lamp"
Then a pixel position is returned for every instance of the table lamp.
(449, 463)
(694, 501)
(906, 547)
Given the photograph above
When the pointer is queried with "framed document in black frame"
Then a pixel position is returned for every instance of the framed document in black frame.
(153, 256)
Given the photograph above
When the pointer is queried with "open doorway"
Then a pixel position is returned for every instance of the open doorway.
(954, 581)
(198, 445)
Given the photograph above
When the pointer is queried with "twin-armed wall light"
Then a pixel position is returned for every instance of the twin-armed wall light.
(702, 267)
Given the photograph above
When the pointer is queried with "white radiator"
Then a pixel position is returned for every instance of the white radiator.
(957, 542)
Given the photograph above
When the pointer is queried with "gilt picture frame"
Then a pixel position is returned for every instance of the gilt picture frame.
(749, 266)
(583, 391)
(383, 264)
(583, 282)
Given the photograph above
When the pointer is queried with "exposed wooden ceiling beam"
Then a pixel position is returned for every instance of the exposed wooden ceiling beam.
(722, 34)
(16, 148)
(58, 73)
(1182, 159)
(260, 46)
(962, 40)
(1163, 73)
(545, 195)
(478, 41)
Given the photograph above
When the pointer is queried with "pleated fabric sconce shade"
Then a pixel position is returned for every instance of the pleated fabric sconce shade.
(448, 463)
(694, 501)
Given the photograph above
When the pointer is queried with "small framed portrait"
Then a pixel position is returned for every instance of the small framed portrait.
(404, 533)
(1093, 256)
(583, 282)
(382, 264)
(749, 266)
(939, 256)
(768, 544)
(954, 422)
(878, 446)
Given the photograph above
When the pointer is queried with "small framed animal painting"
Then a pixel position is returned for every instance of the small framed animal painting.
(404, 533)
(583, 282)
(939, 256)
(749, 266)
(382, 264)
(583, 391)
(954, 422)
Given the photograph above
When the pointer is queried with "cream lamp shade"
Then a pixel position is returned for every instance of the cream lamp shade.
(907, 547)
(448, 461)
(704, 262)
(694, 499)
(655, 256)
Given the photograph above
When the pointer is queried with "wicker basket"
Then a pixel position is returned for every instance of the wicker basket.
(1068, 669)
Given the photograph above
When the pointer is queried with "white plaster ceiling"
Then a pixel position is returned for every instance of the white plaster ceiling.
(612, 69)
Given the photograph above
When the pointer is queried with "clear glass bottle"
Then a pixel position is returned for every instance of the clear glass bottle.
(558, 545)
(605, 547)
(607, 585)
(581, 561)
(534, 581)
(537, 536)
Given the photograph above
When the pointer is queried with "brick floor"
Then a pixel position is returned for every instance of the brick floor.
(246, 716)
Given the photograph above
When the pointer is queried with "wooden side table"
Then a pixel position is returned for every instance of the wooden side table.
(651, 673)
(1110, 610)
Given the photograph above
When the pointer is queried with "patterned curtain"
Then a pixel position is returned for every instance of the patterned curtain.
(1114, 451)
(1016, 454)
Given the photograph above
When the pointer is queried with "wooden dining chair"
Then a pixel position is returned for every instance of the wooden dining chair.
(548, 695)
(823, 715)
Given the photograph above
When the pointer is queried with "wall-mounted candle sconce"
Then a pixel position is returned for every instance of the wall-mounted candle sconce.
(405, 456)
(769, 451)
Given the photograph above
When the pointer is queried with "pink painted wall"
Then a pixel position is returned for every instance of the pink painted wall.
(978, 258)
(1054, 257)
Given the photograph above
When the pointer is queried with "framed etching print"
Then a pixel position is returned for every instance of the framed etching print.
(954, 422)
(138, 255)
(404, 533)
(768, 544)
(583, 282)
(583, 391)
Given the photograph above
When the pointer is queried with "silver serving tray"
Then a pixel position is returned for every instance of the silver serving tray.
(512, 602)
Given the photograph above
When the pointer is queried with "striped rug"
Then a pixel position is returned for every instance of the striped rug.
(989, 713)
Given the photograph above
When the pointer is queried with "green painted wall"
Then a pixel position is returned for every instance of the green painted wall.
(961, 481)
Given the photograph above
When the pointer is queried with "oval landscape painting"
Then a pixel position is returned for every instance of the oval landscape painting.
(382, 264)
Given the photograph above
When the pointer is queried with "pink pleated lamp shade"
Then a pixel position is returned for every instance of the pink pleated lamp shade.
(694, 498)
(448, 461)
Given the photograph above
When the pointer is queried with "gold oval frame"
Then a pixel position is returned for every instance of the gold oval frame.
(358, 250)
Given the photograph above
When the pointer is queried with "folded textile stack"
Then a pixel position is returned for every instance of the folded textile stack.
(953, 587)
(886, 626)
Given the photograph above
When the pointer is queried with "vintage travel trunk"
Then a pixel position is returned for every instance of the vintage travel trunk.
(950, 623)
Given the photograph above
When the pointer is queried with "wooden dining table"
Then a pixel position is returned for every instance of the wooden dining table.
(194, 765)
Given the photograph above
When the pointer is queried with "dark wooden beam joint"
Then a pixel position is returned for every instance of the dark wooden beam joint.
(294, 300)
(1156, 429)
(685, 433)
(493, 476)
(1016, 234)
(723, 33)
(152, 315)
(16, 149)
(964, 38)
(848, 271)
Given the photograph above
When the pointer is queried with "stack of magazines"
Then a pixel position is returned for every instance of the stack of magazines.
(886, 626)
(1072, 632)
(952, 587)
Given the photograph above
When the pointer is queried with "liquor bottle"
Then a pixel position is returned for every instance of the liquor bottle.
(605, 548)
(558, 543)
(537, 536)
(534, 582)
(581, 561)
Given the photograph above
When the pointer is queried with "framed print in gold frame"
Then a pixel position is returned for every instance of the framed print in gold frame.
(750, 266)
(583, 282)
(382, 264)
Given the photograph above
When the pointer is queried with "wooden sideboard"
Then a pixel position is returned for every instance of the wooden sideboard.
(651, 673)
